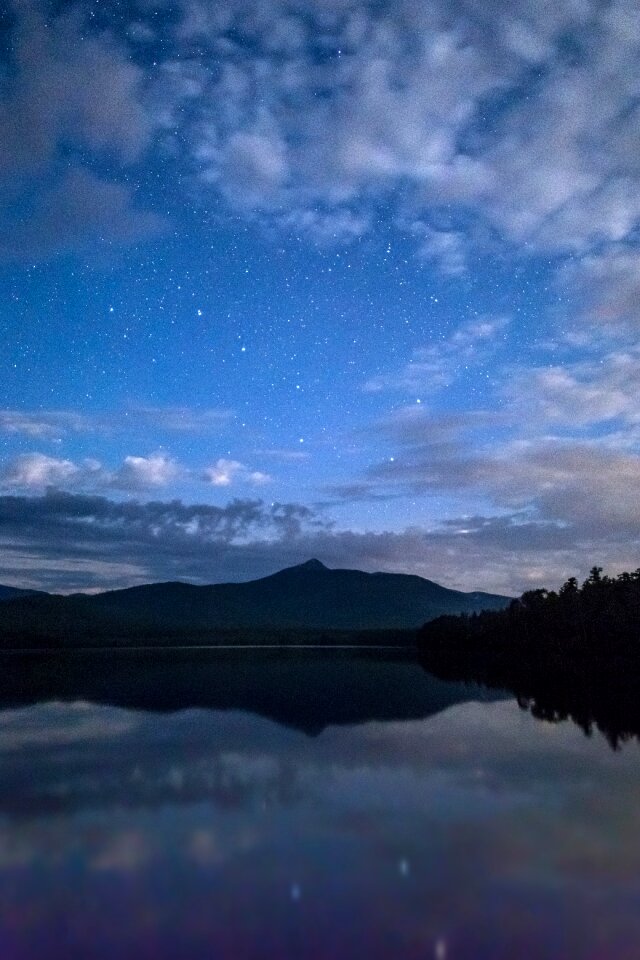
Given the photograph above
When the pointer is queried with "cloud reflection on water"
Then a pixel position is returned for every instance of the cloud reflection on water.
(194, 828)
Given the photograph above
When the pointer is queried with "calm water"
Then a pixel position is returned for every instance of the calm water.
(292, 806)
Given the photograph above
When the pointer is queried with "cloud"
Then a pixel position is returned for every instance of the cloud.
(605, 291)
(363, 104)
(447, 248)
(68, 90)
(42, 425)
(586, 485)
(54, 424)
(140, 473)
(581, 393)
(326, 227)
(417, 425)
(440, 364)
(305, 132)
(68, 541)
(181, 419)
(55, 92)
(81, 211)
(226, 472)
(317, 116)
(524, 485)
(253, 168)
(286, 456)
(74, 540)
(37, 471)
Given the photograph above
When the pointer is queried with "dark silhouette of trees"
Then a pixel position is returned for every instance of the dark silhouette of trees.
(602, 617)
(572, 652)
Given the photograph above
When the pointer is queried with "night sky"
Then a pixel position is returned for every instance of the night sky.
(334, 278)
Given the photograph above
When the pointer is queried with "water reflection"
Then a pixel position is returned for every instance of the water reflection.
(473, 832)
(308, 689)
(593, 693)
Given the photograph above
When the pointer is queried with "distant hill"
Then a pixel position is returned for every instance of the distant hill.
(12, 593)
(305, 597)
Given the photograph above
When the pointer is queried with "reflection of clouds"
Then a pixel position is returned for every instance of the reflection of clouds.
(467, 761)
(107, 756)
(438, 829)
(203, 847)
(126, 850)
(56, 724)
(16, 850)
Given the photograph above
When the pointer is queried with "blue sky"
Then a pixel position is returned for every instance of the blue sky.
(346, 279)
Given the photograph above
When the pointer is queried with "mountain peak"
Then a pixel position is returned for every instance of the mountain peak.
(312, 564)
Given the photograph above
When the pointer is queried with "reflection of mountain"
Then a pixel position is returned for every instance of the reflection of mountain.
(306, 596)
(307, 690)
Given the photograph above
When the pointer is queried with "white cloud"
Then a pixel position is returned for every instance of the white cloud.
(397, 106)
(136, 473)
(447, 248)
(581, 392)
(36, 470)
(140, 473)
(254, 167)
(225, 472)
(605, 288)
(318, 113)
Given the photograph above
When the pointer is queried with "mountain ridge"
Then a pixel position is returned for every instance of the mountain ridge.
(14, 593)
(307, 596)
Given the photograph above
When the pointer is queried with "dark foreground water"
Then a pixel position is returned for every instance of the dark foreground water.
(212, 805)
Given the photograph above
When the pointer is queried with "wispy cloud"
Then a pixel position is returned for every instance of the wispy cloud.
(555, 480)
(179, 419)
(320, 114)
(580, 392)
(45, 424)
(97, 214)
(436, 366)
(605, 287)
(56, 424)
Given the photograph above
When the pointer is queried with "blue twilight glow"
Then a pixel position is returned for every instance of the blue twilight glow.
(356, 280)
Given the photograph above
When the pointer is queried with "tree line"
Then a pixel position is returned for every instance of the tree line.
(571, 653)
(600, 617)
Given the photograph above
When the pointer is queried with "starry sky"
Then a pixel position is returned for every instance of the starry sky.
(335, 278)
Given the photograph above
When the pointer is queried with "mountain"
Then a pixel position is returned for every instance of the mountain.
(12, 593)
(305, 597)
(309, 595)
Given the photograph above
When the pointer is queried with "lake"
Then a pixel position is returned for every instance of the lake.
(220, 804)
